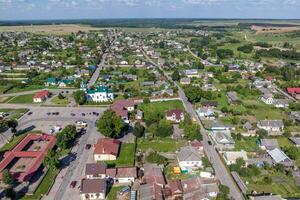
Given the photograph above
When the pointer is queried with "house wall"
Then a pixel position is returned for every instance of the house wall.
(126, 179)
(190, 164)
(100, 157)
(100, 176)
(91, 196)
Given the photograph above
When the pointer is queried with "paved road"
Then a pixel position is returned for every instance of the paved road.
(34, 91)
(220, 169)
(101, 65)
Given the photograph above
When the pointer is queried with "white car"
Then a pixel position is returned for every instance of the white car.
(81, 123)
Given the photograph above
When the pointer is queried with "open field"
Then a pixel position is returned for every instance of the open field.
(126, 156)
(274, 29)
(52, 29)
(166, 145)
(26, 98)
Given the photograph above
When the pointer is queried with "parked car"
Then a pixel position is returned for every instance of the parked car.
(81, 123)
(30, 113)
(124, 190)
(73, 184)
(73, 114)
(88, 146)
(209, 142)
(83, 114)
(48, 113)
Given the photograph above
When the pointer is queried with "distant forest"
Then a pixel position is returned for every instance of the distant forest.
(149, 23)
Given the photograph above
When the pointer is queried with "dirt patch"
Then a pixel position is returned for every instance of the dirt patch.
(273, 29)
(50, 29)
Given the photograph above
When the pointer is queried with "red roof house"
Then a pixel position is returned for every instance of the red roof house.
(40, 96)
(292, 91)
(25, 159)
(106, 149)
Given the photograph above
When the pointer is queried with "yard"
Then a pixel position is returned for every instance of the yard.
(113, 192)
(126, 156)
(281, 184)
(247, 144)
(160, 145)
(22, 99)
(14, 113)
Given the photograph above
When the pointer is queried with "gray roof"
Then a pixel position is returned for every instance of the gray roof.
(279, 156)
(188, 153)
(271, 123)
(248, 126)
(223, 138)
(269, 143)
(295, 140)
(268, 197)
(232, 96)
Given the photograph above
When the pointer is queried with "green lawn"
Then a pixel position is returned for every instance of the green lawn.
(10, 145)
(44, 186)
(26, 98)
(113, 193)
(59, 101)
(246, 143)
(126, 156)
(160, 145)
(160, 107)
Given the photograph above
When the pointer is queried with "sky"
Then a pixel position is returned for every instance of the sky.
(98, 9)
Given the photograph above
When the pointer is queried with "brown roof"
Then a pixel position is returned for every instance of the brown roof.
(112, 172)
(95, 169)
(107, 146)
(176, 187)
(153, 174)
(176, 112)
(93, 186)
(209, 103)
(120, 107)
(126, 172)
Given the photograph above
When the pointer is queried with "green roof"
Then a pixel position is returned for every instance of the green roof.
(51, 80)
(99, 89)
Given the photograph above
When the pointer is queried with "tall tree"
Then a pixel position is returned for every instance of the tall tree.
(138, 129)
(110, 125)
(176, 75)
(79, 97)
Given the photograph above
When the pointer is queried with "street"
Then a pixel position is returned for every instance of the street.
(220, 169)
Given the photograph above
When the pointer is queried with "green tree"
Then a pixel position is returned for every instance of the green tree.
(146, 100)
(110, 125)
(192, 132)
(176, 75)
(224, 191)
(51, 160)
(138, 129)
(262, 133)
(164, 129)
(7, 177)
(155, 157)
(79, 97)
(65, 138)
(192, 93)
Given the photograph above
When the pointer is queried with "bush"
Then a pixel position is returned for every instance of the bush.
(154, 157)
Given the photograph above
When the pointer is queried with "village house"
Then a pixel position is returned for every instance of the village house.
(189, 158)
(231, 157)
(106, 149)
(93, 189)
(209, 104)
(139, 115)
(250, 130)
(223, 140)
(206, 113)
(274, 127)
(295, 116)
(122, 107)
(122, 175)
(185, 81)
(95, 170)
(295, 141)
(51, 81)
(279, 157)
(295, 92)
(281, 103)
(267, 98)
(190, 73)
(268, 144)
(41, 96)
(175, 116)
(100, 94)
(232, 97)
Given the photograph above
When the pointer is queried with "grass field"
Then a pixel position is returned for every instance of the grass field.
(59, 101)
(49, 29)
(246, 143)
(22, 99)
(165, 145)
(113, 193)
(126, 156)
(160, 107)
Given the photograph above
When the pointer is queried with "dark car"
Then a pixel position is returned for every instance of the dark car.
(30, 113)
(82, 114)
(209, 142)
(88, 146)
(73, 184)
(57, 113)
(73, 114)
(48, 113)
(54, 113)
(67, 91)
